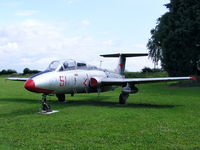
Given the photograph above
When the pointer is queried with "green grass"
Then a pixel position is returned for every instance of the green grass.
(159, 117)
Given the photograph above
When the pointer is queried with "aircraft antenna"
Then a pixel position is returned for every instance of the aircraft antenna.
(100, 64)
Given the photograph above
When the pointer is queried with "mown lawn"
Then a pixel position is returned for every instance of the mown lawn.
(159, 117)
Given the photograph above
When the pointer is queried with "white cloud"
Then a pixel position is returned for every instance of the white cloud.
(10, 4)
(32, 42)
(69, 1)
(85, 23)
(110, 43)
(9, 45)
(27, 13)
(35, 44)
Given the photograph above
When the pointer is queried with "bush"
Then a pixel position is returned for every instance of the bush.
(28, 71)
(146, 70)
(149, 70)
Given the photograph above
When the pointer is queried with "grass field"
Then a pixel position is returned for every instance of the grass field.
(159, 117)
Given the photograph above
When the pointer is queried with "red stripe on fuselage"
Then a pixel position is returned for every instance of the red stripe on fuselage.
(40, 90)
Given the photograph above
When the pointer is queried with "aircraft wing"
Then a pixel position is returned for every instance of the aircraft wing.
(118, 81)
(17, 79)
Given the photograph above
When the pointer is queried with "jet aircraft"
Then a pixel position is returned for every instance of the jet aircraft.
(71, 77)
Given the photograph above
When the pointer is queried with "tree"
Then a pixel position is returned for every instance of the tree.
(10, 71)
(176, 38)
(26, 70)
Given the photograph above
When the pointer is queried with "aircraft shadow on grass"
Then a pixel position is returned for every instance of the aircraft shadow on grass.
(97, 101)
(93, 101)
(116, 105)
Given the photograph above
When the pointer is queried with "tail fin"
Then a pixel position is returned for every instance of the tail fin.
(122, 60)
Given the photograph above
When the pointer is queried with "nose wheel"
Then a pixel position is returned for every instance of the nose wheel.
(45, 106)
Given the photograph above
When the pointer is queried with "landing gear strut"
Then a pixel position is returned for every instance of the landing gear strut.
(45, 106)
(123, 97)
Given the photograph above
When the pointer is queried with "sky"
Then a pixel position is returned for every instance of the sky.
(35, 32)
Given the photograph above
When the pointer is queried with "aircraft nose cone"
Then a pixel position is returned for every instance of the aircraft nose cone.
(30, 85)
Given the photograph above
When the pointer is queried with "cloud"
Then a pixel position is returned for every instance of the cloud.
(31, 41)
(9, 45)
(85, 23)
(27, 13)
(111, 43)
(34, 44)
(69, 1)
(10, 4)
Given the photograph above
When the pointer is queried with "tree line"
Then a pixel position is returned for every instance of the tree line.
(9, 71)
(25, 71)
(28, 71)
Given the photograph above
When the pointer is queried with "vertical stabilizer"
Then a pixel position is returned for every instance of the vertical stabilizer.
(122, 60)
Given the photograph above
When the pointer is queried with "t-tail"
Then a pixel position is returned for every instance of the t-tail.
(122, 59)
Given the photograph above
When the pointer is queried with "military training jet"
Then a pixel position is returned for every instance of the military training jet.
(71, 77)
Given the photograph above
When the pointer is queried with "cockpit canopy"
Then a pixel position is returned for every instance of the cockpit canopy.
(68, 65)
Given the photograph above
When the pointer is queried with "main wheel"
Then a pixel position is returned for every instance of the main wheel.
(122, 98)
(61, 97)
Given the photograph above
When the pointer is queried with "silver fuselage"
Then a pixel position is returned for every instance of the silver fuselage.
(71, 81)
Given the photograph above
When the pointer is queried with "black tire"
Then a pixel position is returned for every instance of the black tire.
(122, 98)
(61, 97)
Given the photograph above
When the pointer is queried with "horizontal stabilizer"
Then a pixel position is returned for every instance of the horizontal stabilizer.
(125, 55)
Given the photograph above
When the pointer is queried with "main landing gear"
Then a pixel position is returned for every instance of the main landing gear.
(61, 97)
(123, 97)
(126, 90)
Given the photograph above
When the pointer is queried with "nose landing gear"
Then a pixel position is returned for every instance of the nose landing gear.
(45, 106)
(46, 109)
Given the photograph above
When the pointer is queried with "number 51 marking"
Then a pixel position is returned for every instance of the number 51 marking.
(62, 80)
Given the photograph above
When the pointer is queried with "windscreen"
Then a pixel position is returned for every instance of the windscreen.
(53, 65)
